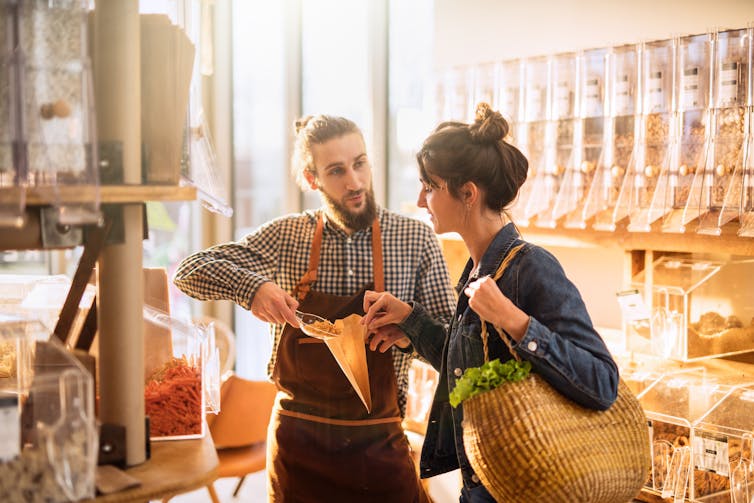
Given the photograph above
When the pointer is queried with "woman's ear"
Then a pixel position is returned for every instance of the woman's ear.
(469, 193)
(311, 179)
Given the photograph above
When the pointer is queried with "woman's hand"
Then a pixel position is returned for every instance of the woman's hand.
(382, 309)
(486, 299)
(386, 337)
(383, 312)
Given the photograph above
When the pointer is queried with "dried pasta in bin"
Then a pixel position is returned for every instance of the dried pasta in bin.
(175, 386)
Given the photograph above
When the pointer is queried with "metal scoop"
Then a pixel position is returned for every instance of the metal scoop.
(316, 326)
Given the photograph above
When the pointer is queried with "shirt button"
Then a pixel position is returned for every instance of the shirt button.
(475, 478)
(532, 346)
(458, 372)
(349, 240)
(350, 272)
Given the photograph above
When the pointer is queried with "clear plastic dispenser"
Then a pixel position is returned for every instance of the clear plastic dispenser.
(532, 139)
(746, 184)
(181, 376)
(673, 405)
(563, 135)
(722, 450)
(12, 166)
(485, 78)
(589, 137)
(699, 308)
(510, 100)
(731, 73)
(58, 112)
(453, 89)
(49, 437)
(689, 153)
(652, 147)
(622, 106)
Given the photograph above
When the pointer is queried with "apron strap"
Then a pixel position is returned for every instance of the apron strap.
(377, 263)
(308, 279)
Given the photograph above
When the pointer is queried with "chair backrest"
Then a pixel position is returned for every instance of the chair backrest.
(245, 408)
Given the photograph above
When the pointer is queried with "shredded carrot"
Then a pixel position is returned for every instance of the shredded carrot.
(173, 399)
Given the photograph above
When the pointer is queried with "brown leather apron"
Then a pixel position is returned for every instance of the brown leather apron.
(323, 446)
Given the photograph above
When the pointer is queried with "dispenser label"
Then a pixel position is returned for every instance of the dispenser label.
(691, 95)
(729, 83)
(623, 102)
(711, 453)
(593, 98)
(655, 92)
(632, 306)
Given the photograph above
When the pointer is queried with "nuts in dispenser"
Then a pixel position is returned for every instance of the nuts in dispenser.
(700, 308)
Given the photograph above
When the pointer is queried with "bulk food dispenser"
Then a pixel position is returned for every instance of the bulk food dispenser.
(713, 186)
(48, 433)
(510, 102)
(746, 184)
(453, 90)
(56, 142)
(689, 152)
(722, 450)
(181, 376)
(589, 136)
(652, 145)
(532, 140)
(622, 109)
(559, 141)
(697, 308)
(484, 79)
(673, 406)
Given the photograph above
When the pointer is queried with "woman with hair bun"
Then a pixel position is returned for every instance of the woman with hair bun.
(470, 175)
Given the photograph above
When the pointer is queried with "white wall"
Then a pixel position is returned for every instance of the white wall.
(473, 31)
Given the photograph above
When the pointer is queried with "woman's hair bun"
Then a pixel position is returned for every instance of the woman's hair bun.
(301, 123)
(489, 125)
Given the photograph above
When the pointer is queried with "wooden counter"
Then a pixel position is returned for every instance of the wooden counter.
(176, 467)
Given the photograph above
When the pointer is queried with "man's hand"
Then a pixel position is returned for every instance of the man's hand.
(274, 305)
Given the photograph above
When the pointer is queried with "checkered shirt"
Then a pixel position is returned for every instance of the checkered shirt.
(278, 251)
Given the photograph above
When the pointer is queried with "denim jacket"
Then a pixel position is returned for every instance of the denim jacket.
(560, 342)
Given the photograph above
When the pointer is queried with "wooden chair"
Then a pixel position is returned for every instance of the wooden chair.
(239, 431)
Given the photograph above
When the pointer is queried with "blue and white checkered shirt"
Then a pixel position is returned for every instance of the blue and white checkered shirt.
(278, 251)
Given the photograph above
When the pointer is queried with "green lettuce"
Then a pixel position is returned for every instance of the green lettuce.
(489, 376)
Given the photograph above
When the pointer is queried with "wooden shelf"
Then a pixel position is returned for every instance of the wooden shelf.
(176, 467)
(727, 242)
(115, 194)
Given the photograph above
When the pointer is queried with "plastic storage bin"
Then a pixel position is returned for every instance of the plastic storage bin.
(673, 405)
(182, 376)
(49, 445)
(722, 450)
(699, 308)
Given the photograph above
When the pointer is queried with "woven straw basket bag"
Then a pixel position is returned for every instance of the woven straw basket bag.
(528, 443)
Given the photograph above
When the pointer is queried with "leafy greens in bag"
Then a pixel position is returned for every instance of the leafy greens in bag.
(489, 376)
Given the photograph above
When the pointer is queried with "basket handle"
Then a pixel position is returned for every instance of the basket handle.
(503, 335)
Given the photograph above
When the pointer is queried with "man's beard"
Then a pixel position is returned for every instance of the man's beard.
(349, 219)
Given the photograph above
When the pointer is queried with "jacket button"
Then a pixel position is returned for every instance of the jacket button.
(532, 346)
(458, 372)
(475, 478)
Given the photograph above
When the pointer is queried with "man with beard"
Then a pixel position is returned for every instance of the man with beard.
(323, 445)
